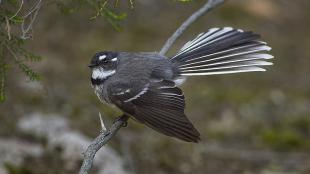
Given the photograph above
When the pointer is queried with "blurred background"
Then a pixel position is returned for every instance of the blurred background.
(252, 123)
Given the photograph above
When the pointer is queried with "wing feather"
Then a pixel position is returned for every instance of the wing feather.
(159, 105)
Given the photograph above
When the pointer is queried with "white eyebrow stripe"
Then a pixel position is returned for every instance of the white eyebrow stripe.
(102, 57)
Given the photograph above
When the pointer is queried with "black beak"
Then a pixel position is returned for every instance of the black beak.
(92, 65)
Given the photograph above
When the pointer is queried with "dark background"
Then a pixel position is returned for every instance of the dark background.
(249, 123)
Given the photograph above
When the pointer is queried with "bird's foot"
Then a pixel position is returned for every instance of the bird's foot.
(123, 119)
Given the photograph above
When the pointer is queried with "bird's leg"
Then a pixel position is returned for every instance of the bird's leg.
(122, 118)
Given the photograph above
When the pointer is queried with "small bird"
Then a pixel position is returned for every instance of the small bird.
(145, 86)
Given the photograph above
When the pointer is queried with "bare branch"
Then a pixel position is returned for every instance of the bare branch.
(32, 14)
(99, 141)
(8, 27)
(33, 8)
(204, 9)
(105, 136)
(19, 9)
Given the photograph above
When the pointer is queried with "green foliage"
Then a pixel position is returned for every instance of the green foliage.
(12, 53)
(111, 16)
(13, 169)
(28, 71)
(283, 139)
(291, 134)
(15, 19)
(102, 8)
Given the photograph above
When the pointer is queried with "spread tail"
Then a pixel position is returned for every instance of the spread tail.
(222, 51)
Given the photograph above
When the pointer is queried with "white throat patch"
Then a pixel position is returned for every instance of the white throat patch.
(99, 73)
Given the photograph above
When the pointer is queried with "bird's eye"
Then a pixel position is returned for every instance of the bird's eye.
(105, 60)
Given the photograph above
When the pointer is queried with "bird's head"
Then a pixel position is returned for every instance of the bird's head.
(103, 64)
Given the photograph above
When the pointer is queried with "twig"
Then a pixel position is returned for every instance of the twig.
(99, 141)
(104, 137)
(16, 59)
(19, 9)
(33, 8)
(204, 9)
(34, 13)
(131, 4)
(100, 9)
(8, 27)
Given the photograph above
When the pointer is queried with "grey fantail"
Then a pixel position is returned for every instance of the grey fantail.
(145, 86)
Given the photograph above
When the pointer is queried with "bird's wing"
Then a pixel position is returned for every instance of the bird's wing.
(159, 105)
